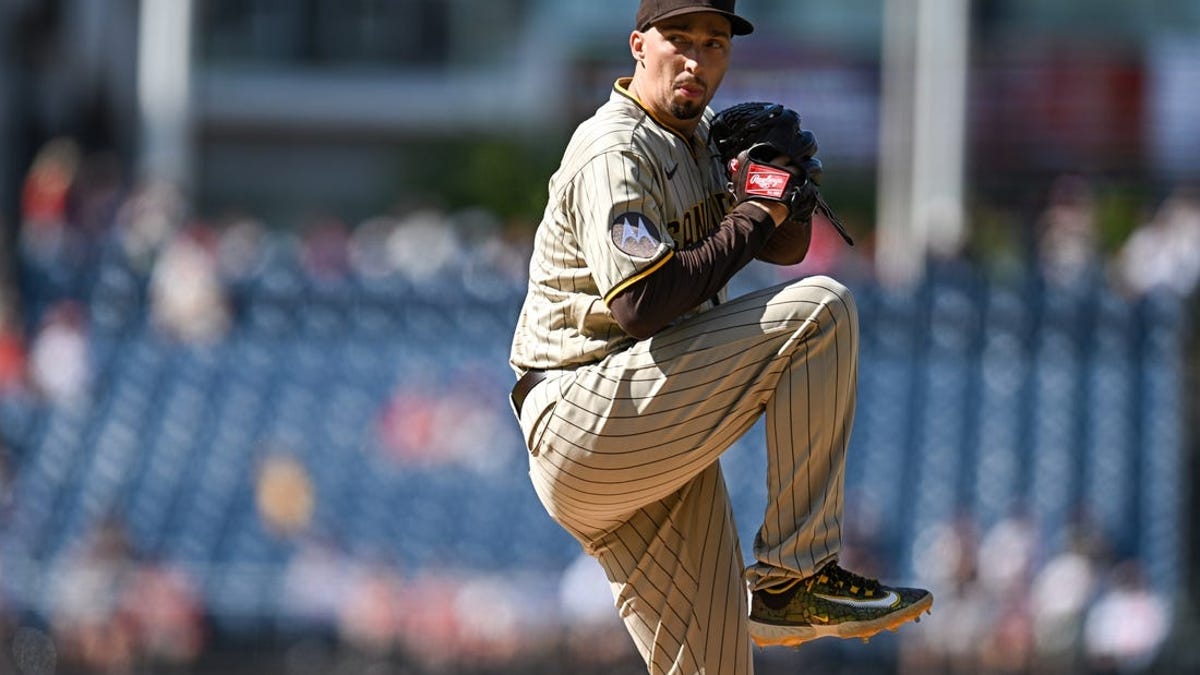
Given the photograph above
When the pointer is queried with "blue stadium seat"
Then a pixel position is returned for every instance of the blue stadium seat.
(1163, 471)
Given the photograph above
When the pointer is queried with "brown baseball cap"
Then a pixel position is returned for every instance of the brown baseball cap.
(653, 11)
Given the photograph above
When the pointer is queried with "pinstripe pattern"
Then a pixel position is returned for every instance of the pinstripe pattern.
(624, 436)
(616, 162)
(623, 455)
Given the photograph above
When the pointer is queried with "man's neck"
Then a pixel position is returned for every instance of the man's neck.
(684, 128)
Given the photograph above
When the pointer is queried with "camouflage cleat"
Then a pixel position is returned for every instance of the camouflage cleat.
(832, 603)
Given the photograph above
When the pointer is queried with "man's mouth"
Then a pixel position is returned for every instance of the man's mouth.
(690, 89)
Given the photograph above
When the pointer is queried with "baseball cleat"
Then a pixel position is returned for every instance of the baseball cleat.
(832, 603)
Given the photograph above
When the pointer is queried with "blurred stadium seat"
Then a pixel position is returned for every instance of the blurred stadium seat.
(975, 398)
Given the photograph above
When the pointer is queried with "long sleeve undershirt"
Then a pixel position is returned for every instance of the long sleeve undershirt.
(694, 274)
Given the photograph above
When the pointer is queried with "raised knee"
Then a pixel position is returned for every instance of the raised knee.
(826, 292)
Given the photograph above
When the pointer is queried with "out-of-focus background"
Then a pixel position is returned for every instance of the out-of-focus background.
(261, 261)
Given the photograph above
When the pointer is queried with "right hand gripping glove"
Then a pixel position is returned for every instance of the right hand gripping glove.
(742, 126)
(754, 176)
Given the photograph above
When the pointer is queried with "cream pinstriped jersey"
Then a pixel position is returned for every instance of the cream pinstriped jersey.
(628, 193)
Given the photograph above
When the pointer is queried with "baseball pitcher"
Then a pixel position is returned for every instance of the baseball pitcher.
(636, 371)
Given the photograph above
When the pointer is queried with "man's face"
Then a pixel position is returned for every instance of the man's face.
(684, 59)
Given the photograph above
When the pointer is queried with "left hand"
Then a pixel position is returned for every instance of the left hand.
(765, 173)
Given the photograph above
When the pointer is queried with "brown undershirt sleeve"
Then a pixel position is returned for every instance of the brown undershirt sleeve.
(693, 274)
(788, 244)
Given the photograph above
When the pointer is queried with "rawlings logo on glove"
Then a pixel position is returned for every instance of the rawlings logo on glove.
(755, 177)
(766, 181)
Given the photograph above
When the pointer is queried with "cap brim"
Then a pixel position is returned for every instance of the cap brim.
(737, 25)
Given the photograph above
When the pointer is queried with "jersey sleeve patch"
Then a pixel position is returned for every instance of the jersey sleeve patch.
(636, 235)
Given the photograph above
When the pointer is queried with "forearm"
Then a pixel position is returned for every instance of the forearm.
(694, 274)
(788, 244)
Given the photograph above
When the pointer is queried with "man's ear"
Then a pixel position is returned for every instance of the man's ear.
(637, 45)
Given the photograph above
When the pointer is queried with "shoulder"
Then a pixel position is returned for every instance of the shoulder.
(618, 131)
(618, 125)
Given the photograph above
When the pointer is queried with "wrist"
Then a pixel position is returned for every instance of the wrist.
(777, 210)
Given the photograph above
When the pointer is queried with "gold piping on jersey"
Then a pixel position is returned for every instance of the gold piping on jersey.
(622, 87)
(638, 277)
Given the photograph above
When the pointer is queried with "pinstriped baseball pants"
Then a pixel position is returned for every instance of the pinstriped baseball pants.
(623, 454)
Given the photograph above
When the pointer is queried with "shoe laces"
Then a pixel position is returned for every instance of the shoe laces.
(834, 576)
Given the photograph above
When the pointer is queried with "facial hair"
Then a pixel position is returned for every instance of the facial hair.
(688, 110)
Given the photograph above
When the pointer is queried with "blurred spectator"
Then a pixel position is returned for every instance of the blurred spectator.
(187, 299)
(165, 613)
(45, 196)
(1013, 615)
(950, 639)
(369, 618)
(1164, 253)
(424, 245)
(111, 614)
(1067, 242)
(284, 494)
(51, 248)
(1006, 564)
(88, 623)
(1059, 597)
(492, 615)
(429, 621)
(497, 256)
(418, 247)
(470, 424)
(12, 356)
(147, 220)
(67, 206)
(1006, 556)
(1008, 645)
(323, 249)
(949, 560)
(1127, 624)
(454, 422)
(59, 367)
(317, 581)
(367, 248)
(240, 248)
(406, 426)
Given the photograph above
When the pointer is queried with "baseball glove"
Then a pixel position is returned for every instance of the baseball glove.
(740, 127)
(755, 175)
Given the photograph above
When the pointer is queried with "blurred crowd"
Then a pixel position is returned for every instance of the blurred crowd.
(1003, 605)
(109, 610)
(78, 209)
(1006, 605)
